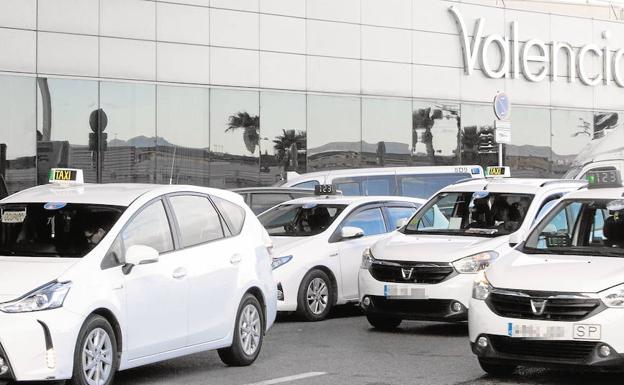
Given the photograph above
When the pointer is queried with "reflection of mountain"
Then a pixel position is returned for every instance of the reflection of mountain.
(140, 142)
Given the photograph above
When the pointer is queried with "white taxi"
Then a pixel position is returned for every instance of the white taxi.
(425, 270)
(100, 278)
(318, 246)
(558, 298)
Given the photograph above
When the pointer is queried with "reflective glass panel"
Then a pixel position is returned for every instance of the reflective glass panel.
(573, 140)
(477, 140)
(386, 132)
(436, 134)
(529, 153)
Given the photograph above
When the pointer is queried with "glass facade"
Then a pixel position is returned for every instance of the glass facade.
(235, 138)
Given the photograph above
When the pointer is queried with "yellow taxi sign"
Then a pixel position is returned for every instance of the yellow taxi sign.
(65, 175)
(498, 171)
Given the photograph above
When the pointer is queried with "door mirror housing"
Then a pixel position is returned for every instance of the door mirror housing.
(350, 232)
(139, 255)
(516, 238)
(401, 222)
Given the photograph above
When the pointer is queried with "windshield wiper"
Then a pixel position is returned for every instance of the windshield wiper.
(7, 252)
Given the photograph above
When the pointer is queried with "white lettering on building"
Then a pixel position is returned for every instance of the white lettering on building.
(535, 59)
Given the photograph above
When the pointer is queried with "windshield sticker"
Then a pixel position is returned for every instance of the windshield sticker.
(54, 205)
(455, 223)
(13, 216)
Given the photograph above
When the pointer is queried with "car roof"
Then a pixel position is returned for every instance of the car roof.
(114, 194)
(515, 185)
(597, 193)
(274, 190)
(386, 170)
(348, 200)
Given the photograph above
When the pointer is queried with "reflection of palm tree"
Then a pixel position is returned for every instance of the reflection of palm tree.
(251, 129)
(287, 145)
(424, 118)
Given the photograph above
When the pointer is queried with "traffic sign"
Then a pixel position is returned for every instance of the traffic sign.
(502, 106)
(503, 132)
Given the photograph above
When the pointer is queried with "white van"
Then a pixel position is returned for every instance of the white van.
(416, 182)
(602, 154)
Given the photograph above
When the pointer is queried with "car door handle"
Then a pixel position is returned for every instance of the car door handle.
(235, 259)
(179, 273)
(333, 254)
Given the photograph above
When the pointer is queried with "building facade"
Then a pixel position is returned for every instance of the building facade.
(233, 93)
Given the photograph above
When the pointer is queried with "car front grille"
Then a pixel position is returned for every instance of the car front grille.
(543, 305)
(412, 272)
(564, 350)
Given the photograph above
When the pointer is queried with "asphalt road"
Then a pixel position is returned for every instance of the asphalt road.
(345, 350)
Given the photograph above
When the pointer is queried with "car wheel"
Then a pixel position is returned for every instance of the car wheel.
(316, 296)
(248, 334)
(96, 358)
(496, 369)
(383, 322)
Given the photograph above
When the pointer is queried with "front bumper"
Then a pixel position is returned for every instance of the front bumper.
(562, 350)
(435, 302)
(40, 345)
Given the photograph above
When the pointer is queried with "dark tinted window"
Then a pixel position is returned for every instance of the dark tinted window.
(425, 185)
(371, 221)
(264, 201)
(54, 229)
(149, 228)
(300, 220)
(197, 219)
(233, 214)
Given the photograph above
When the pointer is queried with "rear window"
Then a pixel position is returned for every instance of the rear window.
(263, 201)
(233, 214)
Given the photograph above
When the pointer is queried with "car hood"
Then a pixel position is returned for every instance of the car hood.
(284, 245)
(20, 275)
(560, 273)
(432, 248)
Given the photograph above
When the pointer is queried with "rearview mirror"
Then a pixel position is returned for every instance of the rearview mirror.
(401, 222)
(139, 255)
(516, 238)
(349, 232)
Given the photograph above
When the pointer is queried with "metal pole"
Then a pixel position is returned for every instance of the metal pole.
(500, 154)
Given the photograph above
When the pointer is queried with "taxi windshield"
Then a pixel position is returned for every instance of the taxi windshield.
(61, 230)
(480, 213)
(300, 220)
(580, 227)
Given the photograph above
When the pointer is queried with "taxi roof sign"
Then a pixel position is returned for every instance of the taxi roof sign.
(498, 172)
(324, 189)
(65, 176)
(604, 178)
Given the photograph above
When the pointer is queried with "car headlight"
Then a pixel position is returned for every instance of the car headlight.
(481, 287)
(47, 297)
(367, 259)
(475, 263)
(613, 297)
(277, 262)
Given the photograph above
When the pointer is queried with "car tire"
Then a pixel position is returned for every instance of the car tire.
(496, 369)
(96, 353)
(383, 323)
(248, 334)
(316, 296)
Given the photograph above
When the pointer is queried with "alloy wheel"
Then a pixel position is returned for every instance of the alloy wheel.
(317, 296)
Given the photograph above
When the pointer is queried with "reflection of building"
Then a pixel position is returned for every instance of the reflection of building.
(332, 102)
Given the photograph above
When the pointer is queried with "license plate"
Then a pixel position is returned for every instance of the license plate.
(586, 332)
(547, 332)
(404, 292)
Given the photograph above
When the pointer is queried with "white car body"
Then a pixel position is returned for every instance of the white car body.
(542, 288)
(183, 303)
(395, 181)
(445, 297)
(340, 259)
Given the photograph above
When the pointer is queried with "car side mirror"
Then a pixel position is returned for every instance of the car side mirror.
(139, 255)
(401, 222)
(516, 238)
(350, 232)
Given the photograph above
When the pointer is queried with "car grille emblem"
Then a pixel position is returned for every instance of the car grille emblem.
(538, 306)
(406, 273)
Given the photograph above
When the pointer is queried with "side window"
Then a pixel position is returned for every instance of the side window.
(348, 186)
(597, 234)
(233, 214)
(425, 185)
(197, 218)
(547, 204)
(114, 257)
(309, 184)
(371, 221)
(264, 201)
(149, 228)
(397, 214)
